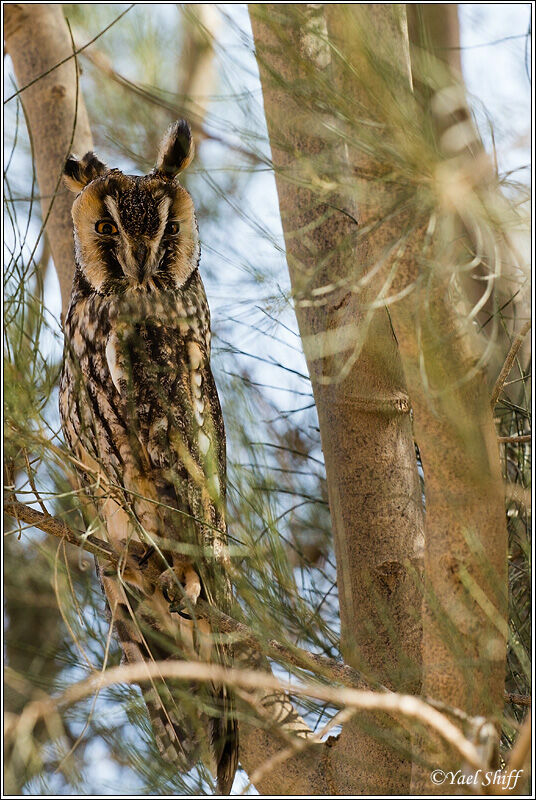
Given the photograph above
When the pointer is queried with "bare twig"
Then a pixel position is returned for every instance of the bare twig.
(407, 706)
(32, 481)
(508, 364)
(515, 439)
(517, 699)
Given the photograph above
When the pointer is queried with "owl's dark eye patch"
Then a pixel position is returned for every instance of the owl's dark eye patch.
(172, 228)
(106, 227)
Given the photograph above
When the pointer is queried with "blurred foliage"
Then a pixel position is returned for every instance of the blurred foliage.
(134, 84)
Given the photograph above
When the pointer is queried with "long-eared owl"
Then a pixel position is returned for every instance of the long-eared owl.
(141, 415)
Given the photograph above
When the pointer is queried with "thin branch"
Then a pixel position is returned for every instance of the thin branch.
(509, 362)
(521, 750)
(32, 481)
(487, 44)
(321, 665)
(515, 439)
(412, 708)
(517, 699)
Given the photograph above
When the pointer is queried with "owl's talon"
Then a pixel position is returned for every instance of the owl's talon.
(166, 594)
(181, 588)
(144, 560)
(178, 607)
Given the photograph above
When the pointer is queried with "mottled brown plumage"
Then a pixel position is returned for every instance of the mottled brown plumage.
(140, 411)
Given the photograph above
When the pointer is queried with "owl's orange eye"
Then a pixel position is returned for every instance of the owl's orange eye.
(172, 228)
(106, 226)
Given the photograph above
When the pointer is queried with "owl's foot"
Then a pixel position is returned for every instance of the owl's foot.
(181, 588)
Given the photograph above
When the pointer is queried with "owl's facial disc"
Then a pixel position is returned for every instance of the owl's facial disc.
(131, 232)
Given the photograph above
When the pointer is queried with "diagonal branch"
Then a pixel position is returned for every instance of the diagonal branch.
(298, 657)
(320, 665)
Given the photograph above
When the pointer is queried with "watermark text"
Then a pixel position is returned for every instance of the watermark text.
(506, 779)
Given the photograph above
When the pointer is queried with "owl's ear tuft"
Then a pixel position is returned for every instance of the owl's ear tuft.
(77, 173)
(176, 149)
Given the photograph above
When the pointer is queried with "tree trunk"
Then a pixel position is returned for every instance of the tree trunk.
(359, 389)
(464, 623)
(37, 38)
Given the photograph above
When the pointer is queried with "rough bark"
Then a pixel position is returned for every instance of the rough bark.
(464, 619)
(359, 388)
(37, 38)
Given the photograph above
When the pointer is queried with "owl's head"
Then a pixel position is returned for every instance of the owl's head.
(135, 232)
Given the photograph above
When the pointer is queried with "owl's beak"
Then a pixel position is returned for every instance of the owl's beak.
(140, 253)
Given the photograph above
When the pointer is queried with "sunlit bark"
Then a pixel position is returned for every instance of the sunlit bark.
(359, 387)
(37, 39)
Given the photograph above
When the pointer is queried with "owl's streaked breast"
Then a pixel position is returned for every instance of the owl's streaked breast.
(130, 354)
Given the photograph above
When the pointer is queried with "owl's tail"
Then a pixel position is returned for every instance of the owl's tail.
(177, 743)
(225, 743)
(178, 734)
(178, 740)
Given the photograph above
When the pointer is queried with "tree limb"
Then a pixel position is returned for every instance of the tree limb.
(38, 41)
